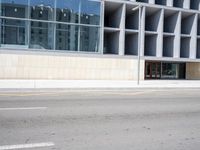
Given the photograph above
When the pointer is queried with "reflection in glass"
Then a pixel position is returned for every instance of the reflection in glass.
(90, 12)
(158, 70)
(153, 70)
(89, 39)
(42, 9)
(13, 32)
(148, 70)
(14, 8)
(67, 10)
(40, 32)
(66, 37)
(170, 70)
(41, 35)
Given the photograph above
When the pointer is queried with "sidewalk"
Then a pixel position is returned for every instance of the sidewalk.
(81, 84)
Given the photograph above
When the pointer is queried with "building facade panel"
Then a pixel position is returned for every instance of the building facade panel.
(150, 31)
(193, 71)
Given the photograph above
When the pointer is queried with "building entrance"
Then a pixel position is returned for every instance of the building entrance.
(164, 70)
(153, 70)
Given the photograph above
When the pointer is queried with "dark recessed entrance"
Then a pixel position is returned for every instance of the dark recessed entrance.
(153, 70)
(164, 70)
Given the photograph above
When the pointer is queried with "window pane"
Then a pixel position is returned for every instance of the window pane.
(66, 37)
(67, 10)
(42, 9)
(169, 70)
(90, 12)
(12, 32)
(89, 39)
(14, 8)
(41, 35)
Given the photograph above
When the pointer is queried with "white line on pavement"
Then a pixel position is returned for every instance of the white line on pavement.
(22, 146)
(23, 108)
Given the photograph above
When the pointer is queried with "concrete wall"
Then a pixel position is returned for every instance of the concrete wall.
(44, 66)
(181, 25)
(193, 71)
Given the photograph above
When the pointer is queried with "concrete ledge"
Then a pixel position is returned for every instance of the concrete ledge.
(78, 84)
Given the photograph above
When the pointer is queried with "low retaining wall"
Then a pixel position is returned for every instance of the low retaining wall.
(50, 67)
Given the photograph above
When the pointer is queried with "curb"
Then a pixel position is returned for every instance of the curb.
(94, 84)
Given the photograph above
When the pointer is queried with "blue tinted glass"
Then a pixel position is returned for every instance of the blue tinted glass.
(16, 28)
(67, 37)
(90, 12)
(42, 9)
(14, 8)
(41, 35)
(89, 39)
(44, 3)
(67, 10)
(22, 2)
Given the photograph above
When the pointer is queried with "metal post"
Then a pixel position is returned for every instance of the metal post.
(139, 41)
(54, 26)
(101, 45)
(79, 27)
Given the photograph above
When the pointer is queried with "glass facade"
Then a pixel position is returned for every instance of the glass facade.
(71, 25)
(164, 70)
(42, 9)
(41, 36)
(14, 8)
(67, 37)
(89, 13)
(13, 32)
(68, 11)
(173, 70)
(89, 39)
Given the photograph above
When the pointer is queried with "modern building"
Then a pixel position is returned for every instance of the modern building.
(100, 39)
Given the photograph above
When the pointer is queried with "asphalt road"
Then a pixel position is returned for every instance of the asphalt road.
(134, 119)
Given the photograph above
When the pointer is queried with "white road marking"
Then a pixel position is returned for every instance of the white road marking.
(23, 108)
(22, 146)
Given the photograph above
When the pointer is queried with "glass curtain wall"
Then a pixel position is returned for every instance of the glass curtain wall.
(173, 70)
(72, 25)
(41, 35)
(89, 39)
(67, 37)
(13, 31)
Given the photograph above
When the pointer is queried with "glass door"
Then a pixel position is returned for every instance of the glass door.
(152, 70)
(147, 70)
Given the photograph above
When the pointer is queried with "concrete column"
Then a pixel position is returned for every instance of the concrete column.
(170, 3)
(186, 4)
(177, 39)
(193, 42)
(159, 48)
(199, 6)
(122, 31)
(151, 1)
(143, 15)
